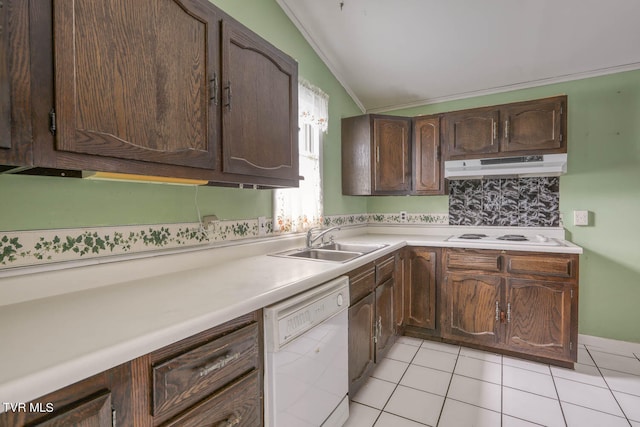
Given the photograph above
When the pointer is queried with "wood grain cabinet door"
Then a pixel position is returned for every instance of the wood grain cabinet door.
(137, 80)
(539, 318)
(260, 107)
(95, 412)
(427, 173)
(5, 92)
(536, 125)
(361, 344)
(385, 320)
(472, 133)
(472, 308)
(391, 155)
(16, 136)
(420, 291)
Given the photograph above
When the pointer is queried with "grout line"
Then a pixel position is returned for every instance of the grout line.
(397, 384)
(564, 418)
(446, 394)
(501, 390)
(609, 387)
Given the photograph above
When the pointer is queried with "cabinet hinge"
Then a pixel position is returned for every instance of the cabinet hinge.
(570, 345)
(571, 293)
(375, 332)
(52, 121)
(560, 137)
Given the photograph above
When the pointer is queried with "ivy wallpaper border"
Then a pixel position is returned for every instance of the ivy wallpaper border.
(27, 248)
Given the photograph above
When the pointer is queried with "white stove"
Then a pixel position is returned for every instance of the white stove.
(510, 239)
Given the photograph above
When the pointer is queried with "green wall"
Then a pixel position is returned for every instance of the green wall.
(30, 203)
(603, 177)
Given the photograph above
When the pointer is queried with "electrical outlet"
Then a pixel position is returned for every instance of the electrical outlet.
(403, 216)
(580, 217)
(262, 226)
(209, 223)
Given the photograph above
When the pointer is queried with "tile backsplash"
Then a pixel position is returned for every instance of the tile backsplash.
(524, 202)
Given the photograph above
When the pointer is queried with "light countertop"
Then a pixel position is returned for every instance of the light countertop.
(52, 340)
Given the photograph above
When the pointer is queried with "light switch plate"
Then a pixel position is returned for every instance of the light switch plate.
(580, 217)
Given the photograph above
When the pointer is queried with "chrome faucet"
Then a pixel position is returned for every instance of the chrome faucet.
(311, 239)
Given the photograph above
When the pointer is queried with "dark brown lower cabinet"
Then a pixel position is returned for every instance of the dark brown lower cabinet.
(519, 303)
(372, 318)
(103, 400)
(385, 320)
(420, 287)
(471, 313)
(212, 378)
(238, 404)
(361, 341)
(539, 317)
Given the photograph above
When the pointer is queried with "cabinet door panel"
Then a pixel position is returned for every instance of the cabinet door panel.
(472, 305)
(16, 136)
(533, 126)
(472, 132)
(385, 319)
(93, 413)
(5, 90)
(426, 158)
(539, 317)
(392, 170)
(421, 288)
(260, 107)
(361, 345)
(238, 404)
(132, 80)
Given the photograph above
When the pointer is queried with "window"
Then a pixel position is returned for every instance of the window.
(298, 209)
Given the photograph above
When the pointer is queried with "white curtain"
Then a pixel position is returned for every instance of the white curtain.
(298, 209)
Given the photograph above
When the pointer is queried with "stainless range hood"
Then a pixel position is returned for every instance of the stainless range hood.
(504, 167)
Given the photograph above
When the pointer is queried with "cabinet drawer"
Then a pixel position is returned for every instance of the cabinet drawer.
(385, 268)
(474, 261)
(556, 266)
(193, 375)
(238, 405)
(362, 281)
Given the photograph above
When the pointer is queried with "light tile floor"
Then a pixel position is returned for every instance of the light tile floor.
(424, 383)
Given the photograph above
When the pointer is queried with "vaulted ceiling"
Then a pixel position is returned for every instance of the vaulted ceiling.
(391, 54)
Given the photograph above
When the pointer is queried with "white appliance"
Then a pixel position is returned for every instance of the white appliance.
(511, 239)
(522, 166)
(306, 358)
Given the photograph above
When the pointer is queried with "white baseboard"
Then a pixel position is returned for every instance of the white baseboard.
(609, 344)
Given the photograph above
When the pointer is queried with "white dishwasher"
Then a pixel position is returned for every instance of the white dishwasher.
(306, 358)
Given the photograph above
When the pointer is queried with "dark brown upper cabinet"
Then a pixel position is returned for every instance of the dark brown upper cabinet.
(536, 125)
(133, 80)
(260, 106)
(15, 87)
(472, 133)
(5, 89)
(141, 88)
(391, 155)
(376, 155)
(427, 170)
(522, 128)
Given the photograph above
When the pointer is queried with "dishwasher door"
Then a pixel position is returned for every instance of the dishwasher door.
(306, 373)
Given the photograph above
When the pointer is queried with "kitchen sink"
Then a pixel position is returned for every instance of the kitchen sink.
(332, 252)
(325, 255)
(352, 247)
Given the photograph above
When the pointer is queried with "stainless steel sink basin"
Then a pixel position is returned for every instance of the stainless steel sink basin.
(332, 252)
(352, 247)
(325, 255)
